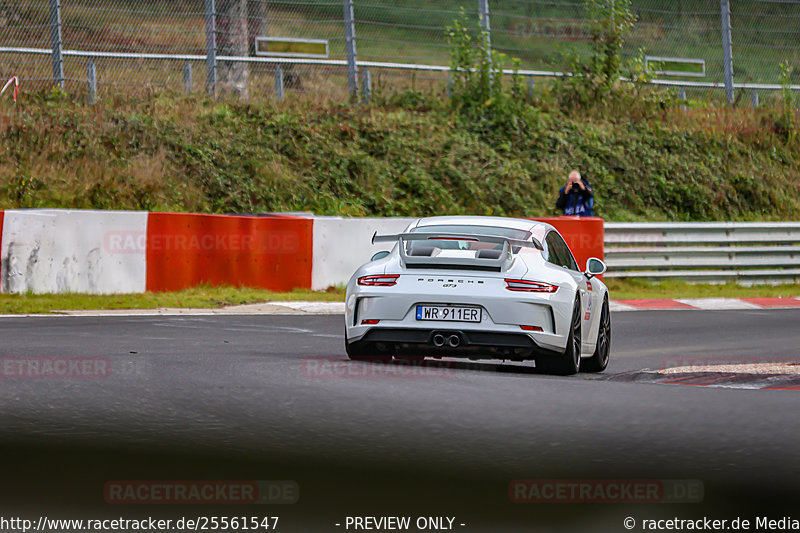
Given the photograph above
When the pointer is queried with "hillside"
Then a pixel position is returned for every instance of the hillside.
(406, 156)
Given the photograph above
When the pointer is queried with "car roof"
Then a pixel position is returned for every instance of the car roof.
(502, 222)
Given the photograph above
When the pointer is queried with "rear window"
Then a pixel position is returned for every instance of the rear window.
(494, 231)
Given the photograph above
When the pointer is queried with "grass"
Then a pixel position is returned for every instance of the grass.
(217, 297)
(197, 297)
(634, 289)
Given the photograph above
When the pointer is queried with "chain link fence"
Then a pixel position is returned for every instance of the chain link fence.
(765, 34)
(330, 48)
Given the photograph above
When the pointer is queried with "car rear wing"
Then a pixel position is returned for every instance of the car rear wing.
(478, 263)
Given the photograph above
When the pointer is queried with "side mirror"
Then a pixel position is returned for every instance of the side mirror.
(594, 267)
(379, 255)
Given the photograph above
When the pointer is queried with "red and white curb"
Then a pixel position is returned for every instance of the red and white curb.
(715, 304)
(754, 376)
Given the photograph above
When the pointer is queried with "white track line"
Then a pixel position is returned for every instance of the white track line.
(337, 308)
(318, 308)
(616, 306)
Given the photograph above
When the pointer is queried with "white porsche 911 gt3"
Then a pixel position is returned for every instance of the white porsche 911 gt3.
(480, 288)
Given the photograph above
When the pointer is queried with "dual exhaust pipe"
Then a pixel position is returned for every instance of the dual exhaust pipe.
(453, 341)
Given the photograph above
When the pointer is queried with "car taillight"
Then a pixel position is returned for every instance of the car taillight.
(531, 328)
(380, 280)
(521, 285)
(370, 321)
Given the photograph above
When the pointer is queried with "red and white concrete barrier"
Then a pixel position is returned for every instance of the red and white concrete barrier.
(2, 262)
(341, 245)
(185, 250)
(585, 236)
(57, 250)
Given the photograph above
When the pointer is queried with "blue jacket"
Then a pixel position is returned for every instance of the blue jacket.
(577, 202)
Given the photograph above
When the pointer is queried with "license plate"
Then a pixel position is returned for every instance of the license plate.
(448, 313)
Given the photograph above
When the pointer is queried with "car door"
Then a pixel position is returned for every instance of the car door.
(560, 254)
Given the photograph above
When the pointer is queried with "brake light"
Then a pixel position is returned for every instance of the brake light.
(531, 328)
(522, 285)
(379, 280)
(370, 321)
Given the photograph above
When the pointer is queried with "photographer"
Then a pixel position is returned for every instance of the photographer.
(576, 198)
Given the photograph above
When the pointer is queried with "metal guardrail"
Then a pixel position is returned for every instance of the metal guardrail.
(750, 252)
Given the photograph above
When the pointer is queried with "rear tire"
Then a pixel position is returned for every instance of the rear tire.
(602, 352)
(570, 362)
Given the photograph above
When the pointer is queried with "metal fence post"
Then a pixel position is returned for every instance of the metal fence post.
(211, 48)
(483, 10)
(279, 82)
(682, 97)
(727, 53)
(91, 79)
(350, 48)
(449, 88)
(187, 78)
(531, 86)
(754, 99)
(55, 39)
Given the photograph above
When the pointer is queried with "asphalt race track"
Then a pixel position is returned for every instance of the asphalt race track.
(274, 398)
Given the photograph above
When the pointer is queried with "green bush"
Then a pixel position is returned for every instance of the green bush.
(594, 84)
(482, 97)
(610, 23)
(784, 125)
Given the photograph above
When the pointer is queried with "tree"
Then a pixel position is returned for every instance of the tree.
(257, 16)
(610, 23)
(232, 40)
